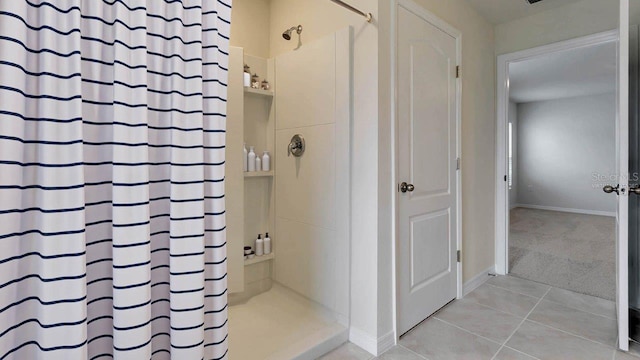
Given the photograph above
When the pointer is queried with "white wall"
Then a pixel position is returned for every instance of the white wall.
(513, 120)
(567, 22)
(562, 143)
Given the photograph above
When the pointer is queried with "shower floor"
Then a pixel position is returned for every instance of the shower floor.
(280, 324)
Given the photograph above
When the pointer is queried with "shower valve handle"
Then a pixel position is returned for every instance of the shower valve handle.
(296, 146)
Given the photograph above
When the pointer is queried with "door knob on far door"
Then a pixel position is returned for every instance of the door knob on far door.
(612, 189)
(404, 187)
(634, 189)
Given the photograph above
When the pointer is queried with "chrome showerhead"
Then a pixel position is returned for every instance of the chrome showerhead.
(287, 33)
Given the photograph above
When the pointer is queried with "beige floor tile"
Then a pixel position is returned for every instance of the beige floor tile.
(591, 304)
(520, 286)
(480, 320)
(348, 351)
(547, 343)
(437, 340)
(399, 353)
(509, 354)
(503, 300)
(593, 327)
(620, 355)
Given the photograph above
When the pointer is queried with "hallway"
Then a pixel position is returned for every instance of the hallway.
(511, 318)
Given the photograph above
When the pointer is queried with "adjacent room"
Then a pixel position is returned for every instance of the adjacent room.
(561, 154)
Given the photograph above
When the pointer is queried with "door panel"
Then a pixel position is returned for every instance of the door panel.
(427, 145)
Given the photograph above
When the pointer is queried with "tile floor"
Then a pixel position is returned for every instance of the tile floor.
(510, 318)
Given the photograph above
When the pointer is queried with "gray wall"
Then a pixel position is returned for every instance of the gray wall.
(513, 120)
(561, 145)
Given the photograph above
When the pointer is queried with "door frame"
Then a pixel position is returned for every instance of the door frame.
(502, 190)
(502, 72)
(420, 11)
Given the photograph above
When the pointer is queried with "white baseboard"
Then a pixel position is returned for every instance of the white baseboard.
(386, 342)
(569, 210)
(478, 280)
(364, 340)
(371, 344)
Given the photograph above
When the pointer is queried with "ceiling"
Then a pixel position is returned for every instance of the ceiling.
(502, 11)
(578, 72)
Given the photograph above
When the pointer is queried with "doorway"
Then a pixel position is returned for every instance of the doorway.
(618, 165)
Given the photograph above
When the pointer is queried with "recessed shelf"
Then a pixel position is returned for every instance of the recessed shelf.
(255, 174)
(259, 259)
(259, 92)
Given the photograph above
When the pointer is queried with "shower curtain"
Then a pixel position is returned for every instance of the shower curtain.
(112, 134)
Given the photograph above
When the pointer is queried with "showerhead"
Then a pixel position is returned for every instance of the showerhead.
(287, 33)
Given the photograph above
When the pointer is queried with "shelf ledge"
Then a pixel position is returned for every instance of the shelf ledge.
(259, 259)
(259, 92)
(254, 174)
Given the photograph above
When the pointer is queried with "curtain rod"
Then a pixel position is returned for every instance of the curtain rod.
(368, 16)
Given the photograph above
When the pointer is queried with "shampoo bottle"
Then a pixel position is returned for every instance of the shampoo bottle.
(251, 160)
(258, 163)
(259, 246)
(266, 161)
(244, 157)
(247, 76)
(267, 244)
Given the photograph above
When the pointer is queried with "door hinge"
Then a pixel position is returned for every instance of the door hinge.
(505, 178)
(458, 164)
(458, 255)
(458, 71)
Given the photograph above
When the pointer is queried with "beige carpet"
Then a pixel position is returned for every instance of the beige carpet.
(571, 251)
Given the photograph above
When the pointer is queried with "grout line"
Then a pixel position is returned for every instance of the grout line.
(588, 312)
(572, 334)
(520, 325)
(467, 331)
(498, 310)
(520, 352)
(519, 293)
(413, 352)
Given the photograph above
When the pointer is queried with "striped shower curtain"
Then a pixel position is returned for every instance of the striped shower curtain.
(112, 134)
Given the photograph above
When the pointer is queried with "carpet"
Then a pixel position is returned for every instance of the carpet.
(567, 250)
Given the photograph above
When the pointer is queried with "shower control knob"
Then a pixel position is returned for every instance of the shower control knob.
(404, 187)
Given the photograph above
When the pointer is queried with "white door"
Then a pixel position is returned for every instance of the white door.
(427, 153)
(622, 216)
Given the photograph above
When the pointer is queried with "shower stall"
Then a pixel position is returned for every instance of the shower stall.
(294, 302)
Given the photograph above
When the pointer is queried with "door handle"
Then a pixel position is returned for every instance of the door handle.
(634, 189)
(404, 187)
(612, 189)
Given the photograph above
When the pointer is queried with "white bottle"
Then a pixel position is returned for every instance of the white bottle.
(258, 163)
(266, 161)
(246, 76)
(244, 157)
(259, 246)
(267, 244)
(251, 160)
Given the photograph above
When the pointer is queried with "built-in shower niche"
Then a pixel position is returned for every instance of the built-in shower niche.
(250, 195)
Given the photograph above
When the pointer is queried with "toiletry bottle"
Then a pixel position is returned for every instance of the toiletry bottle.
(247, 76)
(251, 160)
(258, 163)
(266, 161)
(267, 244)
(259, 246)
(244, 157)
